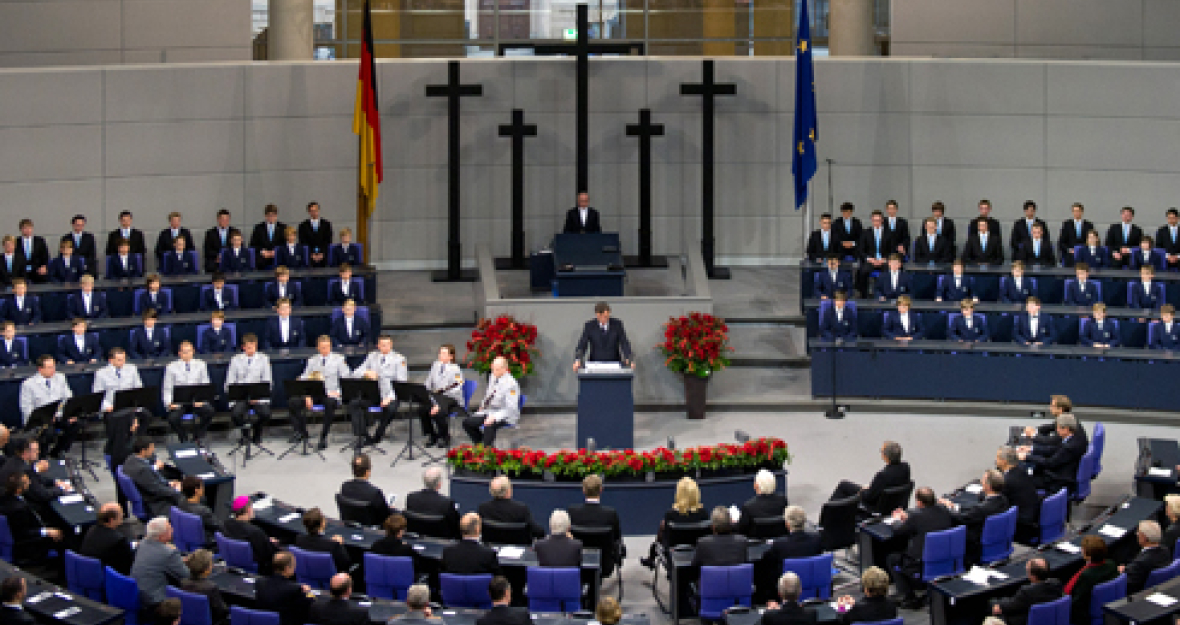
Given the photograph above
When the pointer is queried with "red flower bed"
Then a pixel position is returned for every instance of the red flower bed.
(503, 336)
(696, 344)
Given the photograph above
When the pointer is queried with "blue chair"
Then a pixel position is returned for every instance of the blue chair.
(724, 587)
(1103, 594)
(236, 553)
(188, 531)
(1084, 476)
(998, 532)
(6, 542)
(359, 284)
(194, 607)
(388, 577)
(314, 568)
(1098, 444)
(84, 576)
(892, 621)
(228, 325)
(943, 553)
(555, 589)
(131, 492)
(245, 616)
(815, 575)
(229, 288)
(1053, 513)
(1054, 612)
(465, 591)
(507, 426)
(123, 593)
(1163, 574)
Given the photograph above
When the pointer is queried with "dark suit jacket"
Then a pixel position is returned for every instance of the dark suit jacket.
(98, 306)
(11, 358)
(235, 263)
(1010, 293)
(605, 346)
(1068, 238)
(1026, 254)
(136, 241)
(573, 222)
(284, 257)
(157, 495)
(826, 287)
(165, 243)
(1143, 299)
(39, 257)
(62, 271)
(1138, 259)
(1078, 294)
(1021, 234)
(893, 328)
(1062, 465)
(974, 516)
(274, 334)
(770, 505)
(948, 230)
(392, 546)
(844, 233)
(1108, 334)
(794, 545)
(87, 249)
(134, 268)
(885, 289)
(922, 521)
(1020, 491)
(110, 546)
(215, 341)
(869, 609)
(559, 550)
(510, 511)
(1147, 561)
(504, 615)
(1163, 339)
(1046, 330)
(294, 293)
(975, 254)
(1097, 259)
(30, 314)
(361, 334)
(1083, 590)
(428, 501)
(1115, 240)
(845, 327)
(323, 544)
(960, 332)
(163, 304)
(217, 608)
(228, 299)
(816, 251)
(940, 253)
(1015, 608)
(889, 476)
(325, 611)
(68, 349)
(1171, 535)
(17, 271)
(948, 292)
(364, 490)
(719, 550)
(259, 240)
(1165, 241)
(867, 246)
(212, 246)
(263, 550)
(317, 241)
(900, 233)
(160, 345)
(210, 523)
(993, 227)
(14, 616)
(790, 613)
(591, 514)
(336, 296)
(172, 265)
(468, 557)
(285, 596)
(23, 522)
(340, 256)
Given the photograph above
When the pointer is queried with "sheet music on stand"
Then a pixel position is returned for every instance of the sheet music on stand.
(602, 367)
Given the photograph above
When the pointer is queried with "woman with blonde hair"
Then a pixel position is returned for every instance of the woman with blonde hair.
(686, 508)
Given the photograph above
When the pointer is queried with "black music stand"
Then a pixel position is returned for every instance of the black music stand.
(143, 399)
(415, 394)
(42, 417)
(368, 390)
(83, 407)
(247, 392)
(305, 388)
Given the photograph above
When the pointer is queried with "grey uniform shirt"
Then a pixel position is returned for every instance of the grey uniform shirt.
(333, 367)
(34, 392)
(501, 401)
(109, 379)
(446, 379)
(245, 369)
(181, 373)
(388, 367)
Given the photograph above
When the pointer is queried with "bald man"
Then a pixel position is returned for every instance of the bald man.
(500, 406)
(337, 609)
(469, 556)
(106, 541)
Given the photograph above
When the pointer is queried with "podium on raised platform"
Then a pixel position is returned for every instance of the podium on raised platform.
(606, 407)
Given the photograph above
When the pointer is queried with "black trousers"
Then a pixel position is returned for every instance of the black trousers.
(902, 569)
(863, 273)
(487, 436)
(240, 415)
(298, 407)
(358, 411)
(203, 415)
(60, 436)
(118, 430)
(436, 425)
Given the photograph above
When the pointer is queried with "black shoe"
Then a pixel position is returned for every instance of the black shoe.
(647, 563)
(323, 444)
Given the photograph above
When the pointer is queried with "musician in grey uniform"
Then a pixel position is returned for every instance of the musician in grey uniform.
(122, 424)
(385, 366)
(249, 367)
(500, 406)
(331, 367)
(43, 387)
(445, 383)
(187, 371)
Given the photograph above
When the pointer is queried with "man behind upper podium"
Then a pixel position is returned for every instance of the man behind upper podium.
(582, 219)
(606, 339)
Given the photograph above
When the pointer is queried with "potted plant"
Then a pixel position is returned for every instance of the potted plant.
(695, 345)
(503, 336)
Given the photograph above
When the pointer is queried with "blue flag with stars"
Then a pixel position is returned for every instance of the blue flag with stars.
(803, 162)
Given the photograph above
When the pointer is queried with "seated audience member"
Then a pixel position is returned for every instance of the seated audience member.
(284, 331)
(1166, 334)
(166, 241)
(291, 254)
(124, 266)
(1143, 256)
(87, 303)
(903, 325)
(1034, 328)
(1083, 291)
(79, 347)
(200, 567)
(350, 329)
(315, 540)
(1020, 491)
(1100, 332)
(361, 489)
(280, 592)
(766, 503)
(336, 609)
(150, 341)
(469, 556)
(1151, 556)
(417, 607)
(430, 501)
(216, 339)
(283, 288)
(1058, 469)
(348, 288)
(787, 610)
(1022, 229)
(32, 539)
(874, 605)
(1092, 253)
(158, 494)
(592, 513)
(722, 547)
(1080, 587)
(1172, 513)
(239, 526)
(894, 473)
(502, 612)
(983, 247)
(608, 611)
(1040, 589)
(168, 612)
(345, 251)
(832, 279)
(1037, 250)
(1017, 288)
(193, 489)
(105, 542)
(158, 563)
(67, 267)
(838, 322)
(219, 297)
(13, 592)
(969, 326)
(1045, 439)
(686, 508)
(235, 258)
(956, 287)
(893, 283)
(798, 543)
(178, 262)
(822, 243)
(10, 266)
(994, 502)
(560, 548)
(502, 508)
(1143, 293)
(913, 526)
(393, 543)
(21, 308)
(931, 247)
(153, 298)
(10, 353)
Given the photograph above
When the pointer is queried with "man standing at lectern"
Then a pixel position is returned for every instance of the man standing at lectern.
(582, 219)
(606, 338)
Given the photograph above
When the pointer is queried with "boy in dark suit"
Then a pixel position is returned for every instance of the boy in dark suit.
(1093, 254)
(894, 282)
(350, 329)
(931, 247)
(968, 327)
(898, 227)
(291, 254)
(1167, 238)
(235, 258)
(344, 251)
(267, 236)
(11, 354)
(903, 325)
(1022, 229)
(154, 298)
(32, 253)
(219, 297)
(84, 244)
(79, 347)
(1083, 291)
(10, 266)
(838, 323)
(283, 288)
(1100, 332)
(1122, 238)
(1144, 255)
(832, 280)
(872, 251)
(284, 331)
(1036, 250)
(87, 303)
(347, 288)
(178, 262)
(124, 266)
(68, 267)
(125, 233)
(848, 230)
(956, 287)
(822, 243)
(983, 248)
(217, 239)
(1166, 332)
(1145, 294)
(944, 225)
(216, 339)
(166, 242)
(1034, 328)
(22, 308)
(1016, 288)
(150, 341)
(316, 233)
(1073, 233)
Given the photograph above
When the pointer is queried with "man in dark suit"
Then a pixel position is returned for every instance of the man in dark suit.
(502, 612)
(157, 345)
(79, 346)
(903, 324)
(559, 549)
(88, 303)
(32, 254)
(822, 243)
(361, 489)
(469, 556)
(13, 592)
(592, 513)
(985, 214)
(789, 611)
(1060, 469)
(848, 230)
(1022, 229)
(316, 234)
(106, 542)
(159, 495)
(284, 331)
(314, 540)
(166, 241)
(1151, 556)
(281, 593)
(873, 252)
(1020, 491)
(193, 489)
(430, 501)
(1033, 327)
(268, 235)
(84, 244)
(982, 247)
(944, 225)
(839, 322)
(994, 502)
(1123, 238)
(765, 504)
(123, 265)
(1037, 249)
(239, 526)
(899, 229)
(31, 536)
(1166, 334)
(832, 279)
(913, 526)
(931, 247)
(217, 238)
(1167, 238)
(606, 339)
(337, 609)
(893, 282)
(798, 543)
(582, 219)
(10, 264)
(895, 473)
(125, 233)
(1040, 589)
(722, 547)
(1073, 233)
(503, 509)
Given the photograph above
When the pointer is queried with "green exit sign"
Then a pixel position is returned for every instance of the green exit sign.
(570, 33)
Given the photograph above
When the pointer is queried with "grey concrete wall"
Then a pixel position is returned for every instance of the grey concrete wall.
(196, 138)
(1037, 29)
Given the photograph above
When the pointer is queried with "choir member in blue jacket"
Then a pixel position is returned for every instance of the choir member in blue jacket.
(1016, 288)
(833, 279)
(87, 303)
(178, 262)
(68, 266)
(1165, 333)
(282, 288)
(1093, 254)
(347, 288)
(904, 325)
(216, 339)
(956, 287)
(893, 282)
(839, 321)
(345, 251)
(123, 265)
(1100, 332)
(218, 297)
(284, 331)
(349, 329)
(235, 258)
(1145, 254)
(291, 254)
(1083, 291)
(78, 346)
(151, 340)
(22, 308)
(11, 355)
(1145, 293)
(1033, 327)
(969, 327)
(155, 298)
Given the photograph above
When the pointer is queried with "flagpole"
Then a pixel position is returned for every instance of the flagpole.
(362, 203)
(806, 220)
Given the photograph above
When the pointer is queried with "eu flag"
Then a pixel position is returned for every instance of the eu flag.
(803, 162)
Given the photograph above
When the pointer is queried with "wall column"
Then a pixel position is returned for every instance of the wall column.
(718, 23)
(289, 37)
(851, 28)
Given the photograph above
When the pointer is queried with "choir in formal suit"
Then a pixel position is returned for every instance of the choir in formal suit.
(1082, 292)
(1100, 330)
(11, 354)
(1095, 256)
(291, 254)
(1167, 238)
(21, 308)
(125, 266)
(125, 233)
(235, 258)
(1122, 238)
(838, 322)
(32, 254)
(150, 341)
(216, 339)
(893, 283)
(79, 346)
(1146, 256)
(67, 268)
(941, 251)
(166, 241)
(1022, 228)
(830, 280)
(903, 323)
(84, 244)
(10, 265)
(316, 233)
(217, 238)
(288, 335)
(944, 225)
(87, 304)
(848, 230)
(1165, 333)
(983, 249)
(822, 243)
(219, 297)
(1024, 331)
(899, 229)
(267, 236)
(350, 329)
(179, 264)
(872, 252)
(342, 253)
(277, 290)
(159, 301)
(1036, 251)
(1073, 233)
(1146, 294)
(955, 287)
(1016, 288)
(993, 225)
(347, 288)
(970, 326)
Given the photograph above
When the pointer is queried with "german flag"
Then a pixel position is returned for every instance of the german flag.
(366, 120)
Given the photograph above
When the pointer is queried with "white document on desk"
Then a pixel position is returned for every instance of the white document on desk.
(1069, 548)
(978, 576)
(287, 518)
(1158, 472)
(602, 367)
(69, 499)
(186, 453)
(1161, 599)
(1112, 531)
(974, 489)
(511, 552)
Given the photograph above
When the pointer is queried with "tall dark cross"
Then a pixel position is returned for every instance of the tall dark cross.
(582, 48)
(708, 89)
(453, 91)
(645, 130)
(518, 130)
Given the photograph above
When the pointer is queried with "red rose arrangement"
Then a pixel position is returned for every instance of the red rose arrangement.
(696, 344)
(503, 336)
